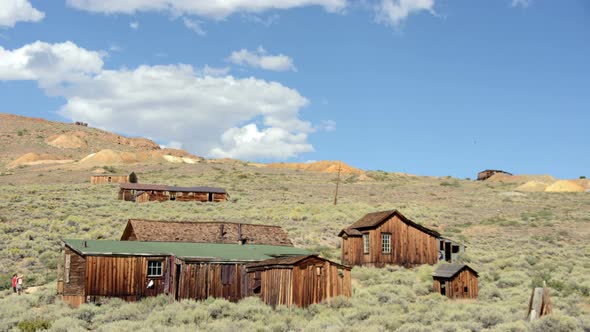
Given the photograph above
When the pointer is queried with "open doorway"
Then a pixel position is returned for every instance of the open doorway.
(443, 289)
(177, 282)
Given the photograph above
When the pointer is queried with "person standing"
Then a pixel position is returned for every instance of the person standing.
(19, 284)
(14, 281)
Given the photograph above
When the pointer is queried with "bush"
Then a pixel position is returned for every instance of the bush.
(555, 323)
(36, 324)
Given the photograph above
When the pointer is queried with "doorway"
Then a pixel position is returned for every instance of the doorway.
(177, 282)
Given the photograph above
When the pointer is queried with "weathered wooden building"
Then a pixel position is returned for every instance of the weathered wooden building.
(298, 280)
(484, 175)
(388, 237)
(141, 193)
(132, 270)
(457, 281)
(113, 178)
(204, 232)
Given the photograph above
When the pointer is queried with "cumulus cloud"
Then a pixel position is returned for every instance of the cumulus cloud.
(220, 116)
(194, 25)
(393, 12)
(260, 59)
(49, 63)
(249, 142)
(13, 11)
(134, 25)
(216, 9)
(215, 71)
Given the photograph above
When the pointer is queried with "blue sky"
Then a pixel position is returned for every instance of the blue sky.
(427, 87)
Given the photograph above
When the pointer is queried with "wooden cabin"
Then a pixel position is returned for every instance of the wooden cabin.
(388, 237)
(113, 178)
(484, 175)
(131, 270)
(141, 193)
(457, 281)
(204, 232)
(298, 280)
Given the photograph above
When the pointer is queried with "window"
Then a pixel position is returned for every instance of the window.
(154, 268)
(67, 268)
(386, 243)
(465, 289)
(366, 243)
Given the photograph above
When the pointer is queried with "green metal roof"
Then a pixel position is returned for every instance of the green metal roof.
(205, 251)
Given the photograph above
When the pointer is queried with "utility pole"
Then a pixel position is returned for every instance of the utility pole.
(337, 183)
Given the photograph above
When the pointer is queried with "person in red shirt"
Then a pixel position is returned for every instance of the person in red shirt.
(14, 279)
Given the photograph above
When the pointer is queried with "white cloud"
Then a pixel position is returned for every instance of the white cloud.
(49, 63)
(521, 3)
(134, 25)
(215, 71)
(194, 25)
(216, 9)
(216, 116)
(248, 142)
(393, 12)
(115, 48)
(327, 125)
(260, 59)
(13, 11)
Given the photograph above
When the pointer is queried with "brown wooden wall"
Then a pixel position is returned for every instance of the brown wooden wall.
(199, 281)
(161, 196)
(315, 281)
(409, 246)
(125, 276)
(73, 284)
(109, 179)
(455, 287)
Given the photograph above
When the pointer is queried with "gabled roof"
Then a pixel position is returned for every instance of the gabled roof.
(190, 251)
(450, 270)
(204, 232)
(286, 262)
(374, 219)
(160, 187)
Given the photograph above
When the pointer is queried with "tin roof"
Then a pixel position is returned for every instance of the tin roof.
(289, 262)
(373, 219)
(197, 251)
(160, 187)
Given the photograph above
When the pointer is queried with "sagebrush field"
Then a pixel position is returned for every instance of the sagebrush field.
(514, 240)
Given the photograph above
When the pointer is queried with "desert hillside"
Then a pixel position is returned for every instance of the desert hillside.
(517, 236)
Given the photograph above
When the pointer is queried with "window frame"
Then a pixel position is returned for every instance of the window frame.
(383, 243)
(161, 268)
(366, 243)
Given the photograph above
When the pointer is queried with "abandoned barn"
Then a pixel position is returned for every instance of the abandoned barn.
(113, 178)
(141, 193)
(388, 237)
(132, 270)
(204, 232)
(457, 281)
(484, 175)
(299, 280)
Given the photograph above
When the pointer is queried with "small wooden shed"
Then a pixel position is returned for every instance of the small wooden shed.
(204, 232)
(299, 280)
(484, 175)
(457, 281)
(112, 178)
(141, 193)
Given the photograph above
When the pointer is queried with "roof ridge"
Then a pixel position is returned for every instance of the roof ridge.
(202, 222)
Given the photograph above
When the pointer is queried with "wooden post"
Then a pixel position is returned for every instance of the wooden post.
(540, 303)
(337, 184)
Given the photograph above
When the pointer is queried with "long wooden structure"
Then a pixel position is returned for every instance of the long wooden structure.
(388, 237)
(132, 270)
(457, 281)
(108, 178)
(142, 193)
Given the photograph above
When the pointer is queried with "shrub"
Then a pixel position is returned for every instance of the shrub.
(555, 323)
(36, 324)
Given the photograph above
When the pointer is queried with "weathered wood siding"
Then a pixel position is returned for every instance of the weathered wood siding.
(98, 179)
(199, 281)
(162, 196)
(409, 246)
(463, 286)
(219, 197)
(74, 276)
(311, 281)
(125, 276)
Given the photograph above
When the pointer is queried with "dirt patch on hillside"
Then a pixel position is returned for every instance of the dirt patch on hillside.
(532, 186)
(565, 186)
(521, 179)
(112, 157)
(32, 158)
(325, 166)
(73, 140)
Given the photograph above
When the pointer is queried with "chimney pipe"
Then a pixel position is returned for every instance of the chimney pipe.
(85, 244)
